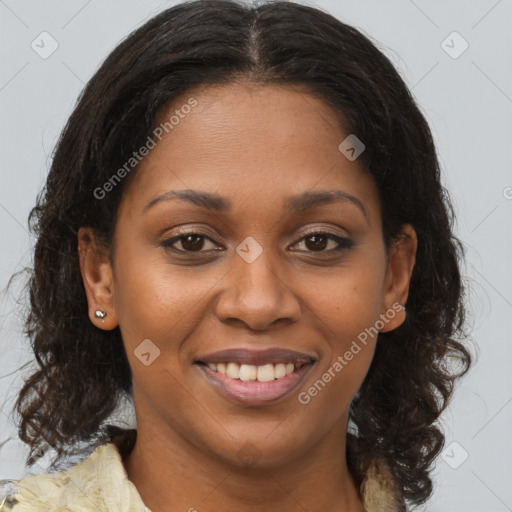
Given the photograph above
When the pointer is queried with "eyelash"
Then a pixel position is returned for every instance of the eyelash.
(344, 243)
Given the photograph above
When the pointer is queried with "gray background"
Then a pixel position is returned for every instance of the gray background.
(468, 103)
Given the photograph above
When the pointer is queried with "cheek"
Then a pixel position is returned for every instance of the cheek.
(349, 299)
(345, 314)
(347, 307)
(156, 300)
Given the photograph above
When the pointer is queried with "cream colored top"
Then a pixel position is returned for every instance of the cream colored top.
(99, 483)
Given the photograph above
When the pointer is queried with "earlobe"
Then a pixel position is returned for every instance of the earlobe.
(98, 281)
(401, 261)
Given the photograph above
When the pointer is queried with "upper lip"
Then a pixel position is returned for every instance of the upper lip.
(256, 357)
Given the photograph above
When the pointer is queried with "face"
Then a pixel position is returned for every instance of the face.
(260, 265)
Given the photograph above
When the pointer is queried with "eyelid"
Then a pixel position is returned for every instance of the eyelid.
(320, 229)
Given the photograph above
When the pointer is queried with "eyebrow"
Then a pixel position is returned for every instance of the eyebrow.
(297, 203)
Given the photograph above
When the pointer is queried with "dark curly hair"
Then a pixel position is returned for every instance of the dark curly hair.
(84, 370)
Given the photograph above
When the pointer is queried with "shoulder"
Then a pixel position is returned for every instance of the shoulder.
(98, 483)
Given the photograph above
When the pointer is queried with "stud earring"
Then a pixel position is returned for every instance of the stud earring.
(100, 314)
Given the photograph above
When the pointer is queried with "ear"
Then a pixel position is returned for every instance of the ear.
(401, 260)
(98, 279)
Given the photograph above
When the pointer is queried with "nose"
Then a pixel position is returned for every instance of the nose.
(256, 295)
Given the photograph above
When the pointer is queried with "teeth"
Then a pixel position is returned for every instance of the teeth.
(233, 370)
(266, 373)
(279, 370)
(250, 372)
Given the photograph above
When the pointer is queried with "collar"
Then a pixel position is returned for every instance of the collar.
(100, 482)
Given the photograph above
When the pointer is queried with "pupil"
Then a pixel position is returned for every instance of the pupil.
(195, 245)
(319, 242)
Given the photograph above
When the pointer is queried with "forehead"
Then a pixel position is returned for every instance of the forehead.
(248, 142)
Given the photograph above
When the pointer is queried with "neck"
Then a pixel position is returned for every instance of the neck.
(172, 474)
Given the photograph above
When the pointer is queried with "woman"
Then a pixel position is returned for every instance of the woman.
(244, 229)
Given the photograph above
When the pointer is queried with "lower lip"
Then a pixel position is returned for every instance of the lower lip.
(255, 392)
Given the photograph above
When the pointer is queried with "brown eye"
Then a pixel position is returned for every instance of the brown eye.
(190, 242)
(319, 241)
(316, 242)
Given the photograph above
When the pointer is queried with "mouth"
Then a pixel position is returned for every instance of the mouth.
(251, 373)
(255, 377)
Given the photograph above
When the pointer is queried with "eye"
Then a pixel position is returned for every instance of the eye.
(190, 242)
(317, 241)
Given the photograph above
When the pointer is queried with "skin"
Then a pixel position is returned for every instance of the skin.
(254, 145)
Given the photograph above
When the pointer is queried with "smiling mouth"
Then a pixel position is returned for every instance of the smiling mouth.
(252, 385)
(251, 373)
